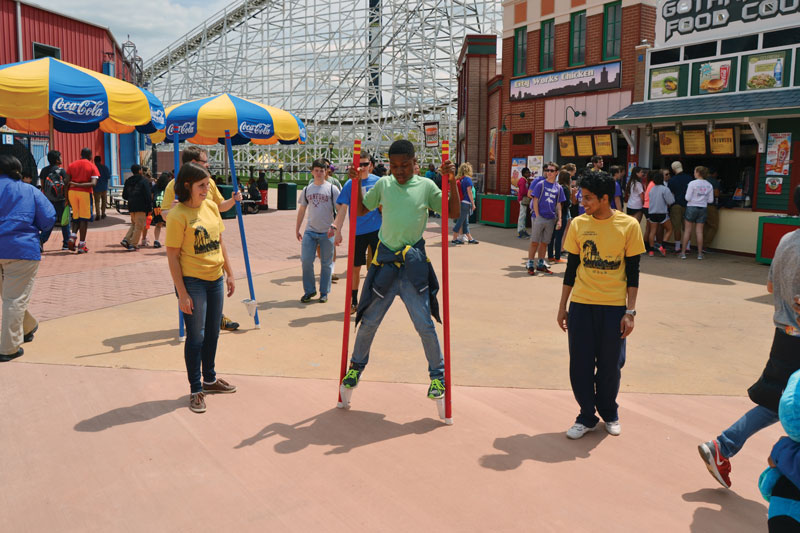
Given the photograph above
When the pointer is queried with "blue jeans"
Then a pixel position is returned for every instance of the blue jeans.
(753, 421)
(65, 233)
(419, 309)
(202, 329)
(463, 219)
(308, 251)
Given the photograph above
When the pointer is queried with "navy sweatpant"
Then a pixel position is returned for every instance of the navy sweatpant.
(596, 355)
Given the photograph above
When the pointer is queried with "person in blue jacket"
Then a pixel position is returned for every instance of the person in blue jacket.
(24, 214)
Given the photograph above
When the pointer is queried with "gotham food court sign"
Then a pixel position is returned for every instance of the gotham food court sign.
(690, 21)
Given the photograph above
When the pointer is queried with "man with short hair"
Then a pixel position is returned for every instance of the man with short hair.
(524, 202)
(101, 188)
(319, 199)
(596, 163)
(82, 176)
(57, 176)
(140, 200)
(367, 227)
(677, 185)
(547, 197)
(602, 283)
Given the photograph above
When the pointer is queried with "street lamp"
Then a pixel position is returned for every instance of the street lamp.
(577, 114)
(521, 114)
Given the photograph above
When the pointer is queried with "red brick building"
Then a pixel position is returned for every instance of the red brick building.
(569, 61)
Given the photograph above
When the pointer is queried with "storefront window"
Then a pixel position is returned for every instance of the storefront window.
(520, 50)
(548, 40)
(612, 32)
(577, 40)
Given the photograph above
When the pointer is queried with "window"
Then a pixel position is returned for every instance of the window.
(612, 31)
(520, 50)
(548, 40)
(699, 51)
(670, 55)
(43, 50)
(577, 38)
(522, 138)
(781, 38)
(739, 44)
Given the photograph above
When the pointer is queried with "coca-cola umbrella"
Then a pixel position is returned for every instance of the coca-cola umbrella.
(229, 120)
(47, 94)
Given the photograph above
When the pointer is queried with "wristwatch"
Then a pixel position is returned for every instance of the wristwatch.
(631, 312)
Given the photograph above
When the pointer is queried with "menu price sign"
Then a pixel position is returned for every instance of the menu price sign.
(664, 82)
(669, 143)
(694, 142)
(566, 146)
(584, 143)
(603, 145)
(765, 71)
(721, 141)
(779, 153)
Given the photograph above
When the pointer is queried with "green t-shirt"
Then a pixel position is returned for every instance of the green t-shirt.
(404, 208)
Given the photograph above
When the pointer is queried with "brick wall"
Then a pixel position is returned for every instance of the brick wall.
(561, 59)
(493, 122)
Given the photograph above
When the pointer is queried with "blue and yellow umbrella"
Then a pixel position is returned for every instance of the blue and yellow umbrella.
(204, 121)
(78, 100)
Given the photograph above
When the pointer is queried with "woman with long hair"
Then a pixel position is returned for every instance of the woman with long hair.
(197, 258)
(464, 181)
(658, 212)
(634, 193)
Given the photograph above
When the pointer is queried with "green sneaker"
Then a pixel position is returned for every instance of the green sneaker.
(351, 378)
(436, 390)
(307, 297)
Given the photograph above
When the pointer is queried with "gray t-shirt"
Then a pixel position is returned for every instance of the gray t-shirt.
(660, 200)
(784, 273)
(321, 202)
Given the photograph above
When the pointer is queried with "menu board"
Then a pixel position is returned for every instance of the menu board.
(669, 143)
(715, 76)
(664, 82)
(602, 144)
(566, 146)
(721, 141)
(765, 71)
(779, 153)
(694, 142)
(584, 143)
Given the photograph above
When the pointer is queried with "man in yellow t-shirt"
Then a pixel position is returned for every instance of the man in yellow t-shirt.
(200, 155)
(602, 276)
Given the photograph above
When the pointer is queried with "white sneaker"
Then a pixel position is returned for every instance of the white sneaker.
(613, 428)
(700, 256)
(683, 256)
(579, 430)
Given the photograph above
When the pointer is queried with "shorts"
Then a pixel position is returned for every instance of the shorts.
(631, 211)
(81, 203)
(657, 218)
(542, 229)
(695, 214)
(157, 219)
(366, 243)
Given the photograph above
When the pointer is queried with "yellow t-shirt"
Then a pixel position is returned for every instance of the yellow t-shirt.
(169, 194)
(603, 246)
(196, 231)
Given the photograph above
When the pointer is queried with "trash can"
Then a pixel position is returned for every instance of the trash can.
(227, 191)
(287, 196)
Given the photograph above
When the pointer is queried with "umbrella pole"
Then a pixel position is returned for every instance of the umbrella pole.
(176, 146)
(229, 148)
(448, 382)
(351, 245)
(51, 133)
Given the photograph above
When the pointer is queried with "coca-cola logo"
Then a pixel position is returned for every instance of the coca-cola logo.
(157, 115)
(255, 129)
(79, 108)
(302, 133)
(187, 128)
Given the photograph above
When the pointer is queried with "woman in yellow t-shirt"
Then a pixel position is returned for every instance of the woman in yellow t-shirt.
(197, 258)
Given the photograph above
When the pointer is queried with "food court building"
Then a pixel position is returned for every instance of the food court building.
(722, 90)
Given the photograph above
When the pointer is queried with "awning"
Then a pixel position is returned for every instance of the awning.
(752, 104)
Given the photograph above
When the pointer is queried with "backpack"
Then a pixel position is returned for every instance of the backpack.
(128, 188)
(53, 185)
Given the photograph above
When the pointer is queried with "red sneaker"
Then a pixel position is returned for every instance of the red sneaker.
(718, 465)
(543, 269)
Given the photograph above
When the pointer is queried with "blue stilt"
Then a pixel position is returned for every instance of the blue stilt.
(229, 148)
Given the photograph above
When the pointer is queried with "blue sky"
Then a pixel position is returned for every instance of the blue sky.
(151, 24)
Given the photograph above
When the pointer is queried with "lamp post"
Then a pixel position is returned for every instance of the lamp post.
(503, 128)
(577, 114)
(330, 151)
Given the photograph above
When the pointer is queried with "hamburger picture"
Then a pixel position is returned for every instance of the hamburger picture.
(715, 85)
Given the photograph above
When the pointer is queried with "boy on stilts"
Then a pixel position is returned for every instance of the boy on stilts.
(401, 267)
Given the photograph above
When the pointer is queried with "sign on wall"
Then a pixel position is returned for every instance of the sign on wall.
(517, 164)
(579, 80)
(664, 82)
(584, 144)
(779, 153)
(721, 141)
(715, 76)
(535, 164)
(765, 71)
(694, 142)
(492, 145)
(566, 146)
(691, 21)
(603, 145)
(669, 143)
(431, 134)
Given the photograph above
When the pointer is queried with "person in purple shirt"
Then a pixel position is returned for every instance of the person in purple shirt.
(616, 173)
(547, 196)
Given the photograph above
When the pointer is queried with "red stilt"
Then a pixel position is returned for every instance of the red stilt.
(351, 245)
(448, 381)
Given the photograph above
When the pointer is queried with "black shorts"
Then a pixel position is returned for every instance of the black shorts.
(632, 211)
(657, 218)
(363, 243)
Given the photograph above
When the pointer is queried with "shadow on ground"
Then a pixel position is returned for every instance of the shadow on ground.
(543, 448)
(141, 412)
(728, 507)
(139, 341)
(330, 317)
(342, 430)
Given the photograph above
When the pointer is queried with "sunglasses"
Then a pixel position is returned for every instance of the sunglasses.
(362, 165)
(550, 170)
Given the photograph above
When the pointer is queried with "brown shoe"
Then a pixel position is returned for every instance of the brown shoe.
(197, 403)
(353, 309)
(220, 385)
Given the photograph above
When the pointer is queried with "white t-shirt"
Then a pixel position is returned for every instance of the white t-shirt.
(635, 199)
(699, 193)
